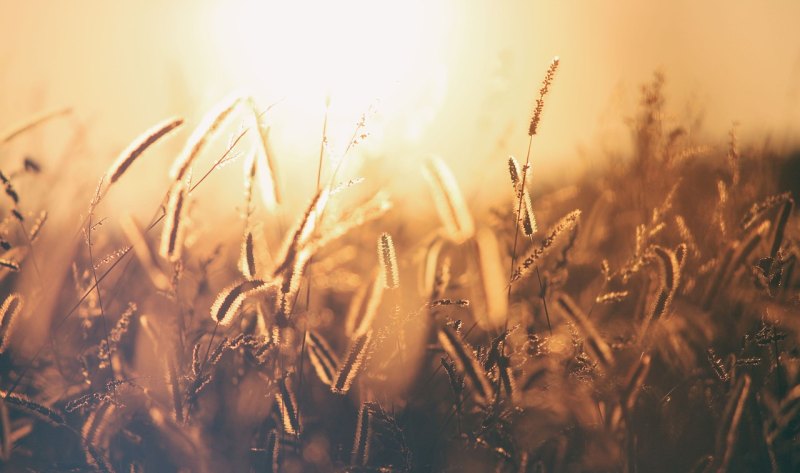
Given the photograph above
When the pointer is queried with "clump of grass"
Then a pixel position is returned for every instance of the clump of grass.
(467, 363)
(594, 342)
(672, 345)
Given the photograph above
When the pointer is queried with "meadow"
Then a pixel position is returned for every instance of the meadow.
(642, 317)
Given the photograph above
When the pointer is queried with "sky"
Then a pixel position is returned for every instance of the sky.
(452, 78)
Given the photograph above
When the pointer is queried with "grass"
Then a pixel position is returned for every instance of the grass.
(648, 322)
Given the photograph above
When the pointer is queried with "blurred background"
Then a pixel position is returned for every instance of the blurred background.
(455, 78)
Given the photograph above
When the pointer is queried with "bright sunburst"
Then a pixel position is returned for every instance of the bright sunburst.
(354, 51)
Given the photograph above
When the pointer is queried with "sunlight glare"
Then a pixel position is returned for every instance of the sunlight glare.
(356, 52)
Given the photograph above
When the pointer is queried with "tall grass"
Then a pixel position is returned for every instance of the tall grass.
(659, 334)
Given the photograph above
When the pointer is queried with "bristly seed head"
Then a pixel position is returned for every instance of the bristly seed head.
(210, 122)
(248, 259)
(352, 364)
(537, 111)
(449, 201)
(322, 357)
(230, 299)
(287, 404)
(566, 223)
(139, 145)
(172, 234)
(388, 259)
(9, 311)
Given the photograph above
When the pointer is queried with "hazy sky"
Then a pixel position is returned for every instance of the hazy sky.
(457, 77)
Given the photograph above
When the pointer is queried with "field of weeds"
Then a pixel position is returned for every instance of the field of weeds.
(643, 317)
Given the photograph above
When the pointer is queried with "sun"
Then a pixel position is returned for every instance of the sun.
(353, 52)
